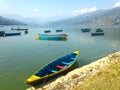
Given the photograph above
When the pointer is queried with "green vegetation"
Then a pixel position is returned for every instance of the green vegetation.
(106, 79)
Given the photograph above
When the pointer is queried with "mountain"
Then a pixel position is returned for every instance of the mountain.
(99, 17)
(9, 21)
(19, 18)
(28, 21)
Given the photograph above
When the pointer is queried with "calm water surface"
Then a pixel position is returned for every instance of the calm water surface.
(21, 56)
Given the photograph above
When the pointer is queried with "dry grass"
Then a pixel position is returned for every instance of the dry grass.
(107, 79)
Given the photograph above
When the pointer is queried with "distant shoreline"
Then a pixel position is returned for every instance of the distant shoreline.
(78, 75)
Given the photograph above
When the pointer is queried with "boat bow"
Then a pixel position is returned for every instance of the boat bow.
(32, 79)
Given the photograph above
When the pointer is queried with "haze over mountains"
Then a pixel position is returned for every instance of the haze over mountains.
(99, 17)
(9, 21)
(30, 21)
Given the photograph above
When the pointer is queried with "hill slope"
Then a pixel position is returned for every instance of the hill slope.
(100, 17)
(7, 21)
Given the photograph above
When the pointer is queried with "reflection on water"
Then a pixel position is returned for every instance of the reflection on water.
(21, 56)
(54, 39)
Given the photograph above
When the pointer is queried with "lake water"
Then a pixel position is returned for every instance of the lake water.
(21, 56)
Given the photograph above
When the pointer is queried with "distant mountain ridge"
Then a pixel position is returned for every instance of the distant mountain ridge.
(8, 21)
(99, 17)
(31, 20)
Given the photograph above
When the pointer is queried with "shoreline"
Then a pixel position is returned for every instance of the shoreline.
(77, 76)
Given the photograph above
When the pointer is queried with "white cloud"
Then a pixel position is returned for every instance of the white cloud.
(36, 10)
(5, 7)
(117, 4)
(85, 10)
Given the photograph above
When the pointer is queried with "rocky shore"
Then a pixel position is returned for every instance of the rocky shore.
(77, 76)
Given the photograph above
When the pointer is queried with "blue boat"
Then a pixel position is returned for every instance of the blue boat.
(13, 34)
(85, 29)
(51, 37)
(57, 67)
(4, 34)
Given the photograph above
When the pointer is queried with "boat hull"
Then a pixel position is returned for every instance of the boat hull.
(99, 30)
(51, 37)
(19, 29)
(51, 77)
(51, 70)
(12, 34)
(47, 31)
(4, 34)
(97, 34)
(59, 30)
(86, 30)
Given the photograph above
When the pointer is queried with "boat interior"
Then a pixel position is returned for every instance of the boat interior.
(57, 65)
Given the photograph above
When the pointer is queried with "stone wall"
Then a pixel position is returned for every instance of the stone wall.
(77, 76)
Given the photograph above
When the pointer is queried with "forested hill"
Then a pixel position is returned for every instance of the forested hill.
(7, 21)
(100, 17)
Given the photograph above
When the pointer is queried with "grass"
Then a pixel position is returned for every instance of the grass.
(106, 79)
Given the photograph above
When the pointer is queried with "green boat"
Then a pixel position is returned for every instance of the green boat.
(51, 37)
(58, 67)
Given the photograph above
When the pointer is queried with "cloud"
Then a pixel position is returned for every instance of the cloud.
(85, 10)
(36, 10)
(5, 7)
(117, 4)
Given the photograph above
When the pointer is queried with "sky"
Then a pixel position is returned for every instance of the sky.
(54, 8)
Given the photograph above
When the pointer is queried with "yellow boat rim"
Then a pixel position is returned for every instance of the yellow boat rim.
(37, 37)
(76, 52)
(32, 78)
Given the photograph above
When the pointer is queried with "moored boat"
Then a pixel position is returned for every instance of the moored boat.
(97, 33)
(99, 30)
(55, 68)
(19, 29)
(85, 29)
(13, 34)
(47, 31)
(59, 30)
(4, 34)
(51, 37)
